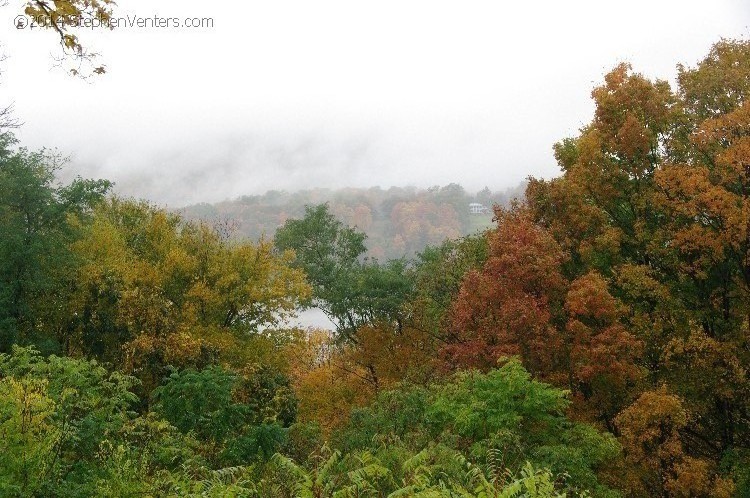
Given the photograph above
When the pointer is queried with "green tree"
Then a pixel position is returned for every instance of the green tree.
(352, 292)
(437, 274)
(236, 425)
(497, 420)
(54, 414)
(37, 267)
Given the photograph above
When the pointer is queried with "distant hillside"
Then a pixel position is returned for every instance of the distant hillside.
(398, 221)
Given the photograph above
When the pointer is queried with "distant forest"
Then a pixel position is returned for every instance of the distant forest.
(398, 221)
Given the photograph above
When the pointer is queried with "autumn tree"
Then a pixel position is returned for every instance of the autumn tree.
(602, 356)
(654, 198)
(67, 18)
(327, 382)
(520, 303)
(705, 192)
(705, 196)
(508, 306)
(152, 291)
(656, 461)
(601, 208)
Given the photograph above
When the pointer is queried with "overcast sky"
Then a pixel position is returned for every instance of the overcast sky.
(288, 94)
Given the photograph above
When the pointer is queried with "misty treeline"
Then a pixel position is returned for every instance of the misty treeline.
(594, 342)
(399, 221)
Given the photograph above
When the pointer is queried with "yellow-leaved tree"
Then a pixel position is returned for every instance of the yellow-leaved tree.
(154, 291)
(65, 18)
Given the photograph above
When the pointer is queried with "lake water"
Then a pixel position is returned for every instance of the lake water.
(314, 318)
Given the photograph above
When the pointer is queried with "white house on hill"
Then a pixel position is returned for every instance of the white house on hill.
(476, 208)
